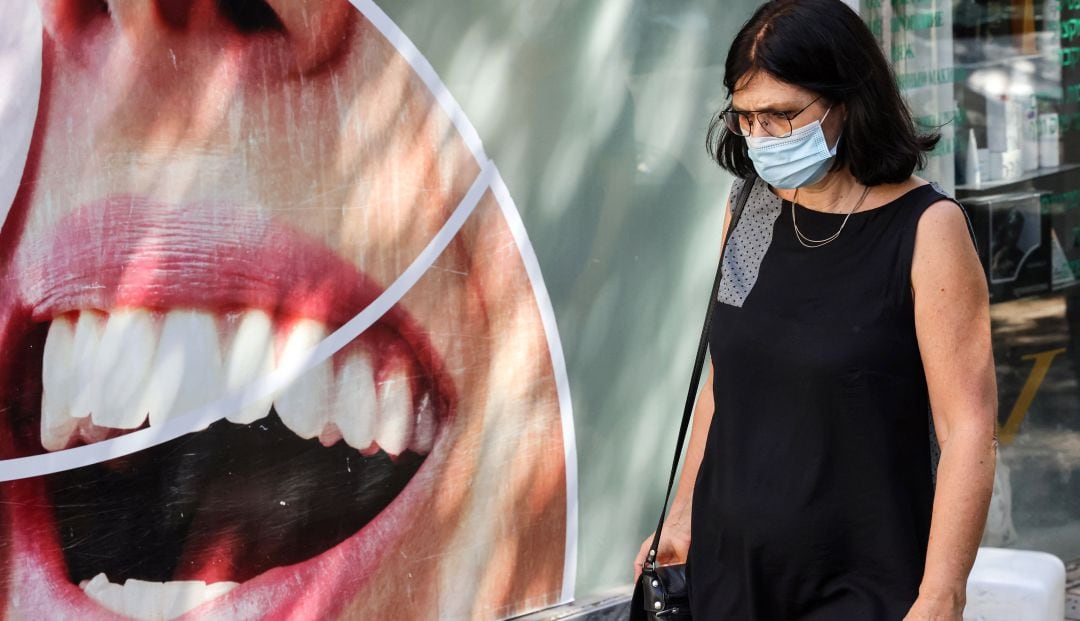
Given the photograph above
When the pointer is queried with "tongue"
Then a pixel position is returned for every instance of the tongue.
(216, 557)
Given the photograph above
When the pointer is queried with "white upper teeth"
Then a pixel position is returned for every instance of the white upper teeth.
(144, 600)
(88, 331)
(355, 399)
(393, 424)
(103, 372)
(187, 366)
(123, 364)
(424, 434)
(303, 405)
(250, 357)
(58, 370)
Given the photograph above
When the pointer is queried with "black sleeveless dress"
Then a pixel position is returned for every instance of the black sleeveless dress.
(814, 495)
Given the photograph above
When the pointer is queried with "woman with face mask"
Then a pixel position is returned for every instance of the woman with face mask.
(850, 343)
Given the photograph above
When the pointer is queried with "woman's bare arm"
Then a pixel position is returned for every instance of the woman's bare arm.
(952, 321)
(695, 449)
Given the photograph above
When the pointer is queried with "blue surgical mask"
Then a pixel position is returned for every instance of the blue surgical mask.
(801, 159)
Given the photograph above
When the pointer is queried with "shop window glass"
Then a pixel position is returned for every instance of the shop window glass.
(1002, 80)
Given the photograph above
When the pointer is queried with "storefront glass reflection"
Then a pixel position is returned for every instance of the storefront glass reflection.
(1004, 78)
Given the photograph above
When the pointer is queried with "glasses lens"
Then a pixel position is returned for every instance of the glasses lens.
(777, 125)
(737, 123)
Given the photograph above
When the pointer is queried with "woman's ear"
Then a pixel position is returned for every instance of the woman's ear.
(841, 118)
(841, 113)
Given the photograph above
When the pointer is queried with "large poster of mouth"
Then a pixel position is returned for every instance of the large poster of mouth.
(274, 343)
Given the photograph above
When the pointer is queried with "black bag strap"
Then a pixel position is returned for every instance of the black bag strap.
(695, 377)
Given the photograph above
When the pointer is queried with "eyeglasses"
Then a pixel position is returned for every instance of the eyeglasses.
(776, 124)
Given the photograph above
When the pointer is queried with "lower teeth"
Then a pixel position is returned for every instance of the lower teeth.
(143, 600)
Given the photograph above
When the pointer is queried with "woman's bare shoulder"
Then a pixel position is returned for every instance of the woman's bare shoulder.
(889, 191)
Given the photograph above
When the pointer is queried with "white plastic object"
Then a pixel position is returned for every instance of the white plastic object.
(972, 172)
(984, 164)
(1049, 133)
(996, 168)
(1029, 133)
(997, 122)
(1015, 585)
(1012, 166)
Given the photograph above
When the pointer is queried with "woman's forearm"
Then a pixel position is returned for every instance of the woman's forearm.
(965, 482)
(703, 413)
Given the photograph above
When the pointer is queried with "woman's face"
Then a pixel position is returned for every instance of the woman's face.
(213, 187)
(760, 91)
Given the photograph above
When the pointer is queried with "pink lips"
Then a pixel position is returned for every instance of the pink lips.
(128, 251)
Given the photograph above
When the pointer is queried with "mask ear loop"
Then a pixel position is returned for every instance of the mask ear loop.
(821, 123)
(836, 144)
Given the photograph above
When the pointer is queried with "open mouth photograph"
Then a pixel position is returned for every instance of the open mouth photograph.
(212, 190)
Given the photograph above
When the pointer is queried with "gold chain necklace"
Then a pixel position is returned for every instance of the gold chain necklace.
(817, 243)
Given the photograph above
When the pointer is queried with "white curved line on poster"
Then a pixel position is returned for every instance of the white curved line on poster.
(562, 379)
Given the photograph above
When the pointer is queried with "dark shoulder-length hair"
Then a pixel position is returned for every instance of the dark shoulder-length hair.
(824, 47)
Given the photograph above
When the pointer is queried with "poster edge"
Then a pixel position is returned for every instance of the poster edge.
(562, 381)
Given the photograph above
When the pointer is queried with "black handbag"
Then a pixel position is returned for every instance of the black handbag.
(661, 592)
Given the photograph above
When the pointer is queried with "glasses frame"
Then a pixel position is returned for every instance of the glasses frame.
(751, 117)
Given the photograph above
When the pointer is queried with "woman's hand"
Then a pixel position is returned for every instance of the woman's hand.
(674, 545)
(928, 608)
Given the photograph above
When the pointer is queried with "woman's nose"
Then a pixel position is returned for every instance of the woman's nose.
(307, 32)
